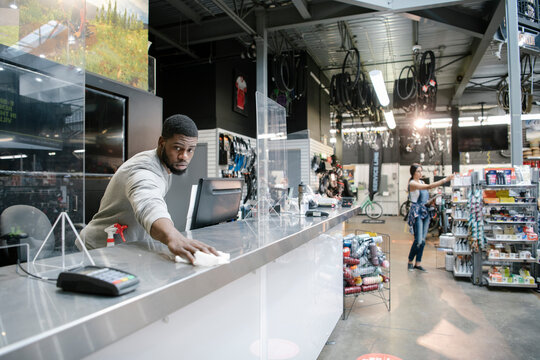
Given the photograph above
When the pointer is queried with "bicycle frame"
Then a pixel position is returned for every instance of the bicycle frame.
(365, 203)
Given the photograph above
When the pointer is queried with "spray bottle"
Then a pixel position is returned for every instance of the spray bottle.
(111, 230)
(115, 229)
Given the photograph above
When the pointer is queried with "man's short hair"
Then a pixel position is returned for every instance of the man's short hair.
(179, 124)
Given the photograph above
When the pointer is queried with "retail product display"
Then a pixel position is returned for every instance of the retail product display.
(366, 266)
(461, 264)
(511, 220)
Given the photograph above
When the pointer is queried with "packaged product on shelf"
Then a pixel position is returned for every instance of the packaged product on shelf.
(518, 279)
(524, 272)
(348, 276)
(352, 290)
(370, 287)
(346, 252)
(372, 280)
(493, 253)
(350, 261)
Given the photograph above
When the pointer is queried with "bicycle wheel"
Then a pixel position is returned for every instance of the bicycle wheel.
(404, 209)
(374, 210)
(433, 224)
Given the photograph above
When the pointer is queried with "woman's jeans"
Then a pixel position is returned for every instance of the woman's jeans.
(421, 227)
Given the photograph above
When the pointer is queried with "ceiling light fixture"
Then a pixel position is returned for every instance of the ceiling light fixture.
(420, 123)
(390, 121)
(378, 84)
(319, 82)
(530, 117)
(13, 157)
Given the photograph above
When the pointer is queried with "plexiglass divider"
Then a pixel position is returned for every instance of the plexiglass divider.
(42, 133)
(272, 180)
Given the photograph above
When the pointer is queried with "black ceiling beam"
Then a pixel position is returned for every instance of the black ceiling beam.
(171, 42)
(235, 17)
(402, 6)
(301, 6)
(185, 10)
(478, 50)
(453, 19)
(222, 27)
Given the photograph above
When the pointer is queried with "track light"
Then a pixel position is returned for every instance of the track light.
(378, 84)
(390, 121)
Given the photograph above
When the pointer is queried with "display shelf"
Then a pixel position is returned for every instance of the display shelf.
(509, 186)
(503, 284)
(509, 222)
(444, 249)
(462, 252)
(461, 274)
(493, 240)
(460, 202)
(461, 219)
(460, 186)
(515, 260)
(462, 236)
(517, 204)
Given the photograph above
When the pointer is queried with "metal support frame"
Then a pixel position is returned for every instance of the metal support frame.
(262, 53)
(237, 19)
(171, 42)
(301, 6)
(454, 113)
(514, 80)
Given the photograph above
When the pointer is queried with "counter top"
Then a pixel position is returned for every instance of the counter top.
(37, 318)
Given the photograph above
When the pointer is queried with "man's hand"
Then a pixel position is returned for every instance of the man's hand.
(164, 231)
(186, 248)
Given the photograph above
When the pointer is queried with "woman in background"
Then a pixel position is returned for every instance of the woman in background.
(418, 218)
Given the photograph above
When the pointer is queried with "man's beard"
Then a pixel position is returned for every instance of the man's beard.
(165, 160)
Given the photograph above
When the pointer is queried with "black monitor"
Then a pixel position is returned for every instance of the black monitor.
(483, 138)
(217, 200)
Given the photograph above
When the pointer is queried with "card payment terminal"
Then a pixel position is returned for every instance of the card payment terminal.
(97, 280)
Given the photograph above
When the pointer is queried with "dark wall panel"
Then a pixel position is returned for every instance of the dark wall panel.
(189, 91)
(144, 113)
(226, 117)
(314, 103)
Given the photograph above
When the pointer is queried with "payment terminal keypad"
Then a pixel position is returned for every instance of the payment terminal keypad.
(97, 280)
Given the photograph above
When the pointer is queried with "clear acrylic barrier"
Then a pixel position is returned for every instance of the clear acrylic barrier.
(42, 143)
(272, 180)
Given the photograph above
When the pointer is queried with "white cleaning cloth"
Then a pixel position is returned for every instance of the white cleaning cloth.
(204, 259)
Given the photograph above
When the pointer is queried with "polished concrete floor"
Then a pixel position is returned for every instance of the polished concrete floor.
(434, 316)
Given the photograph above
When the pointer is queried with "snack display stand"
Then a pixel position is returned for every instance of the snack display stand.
(366, 268)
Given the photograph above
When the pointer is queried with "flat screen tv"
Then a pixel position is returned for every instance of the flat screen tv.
(483, 138)
(104, 131)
